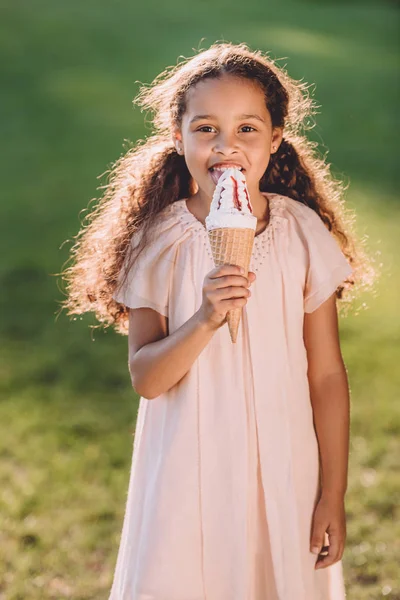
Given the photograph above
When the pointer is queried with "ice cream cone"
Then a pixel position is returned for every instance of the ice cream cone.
(232, 246)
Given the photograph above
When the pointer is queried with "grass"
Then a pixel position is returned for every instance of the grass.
(67, 411)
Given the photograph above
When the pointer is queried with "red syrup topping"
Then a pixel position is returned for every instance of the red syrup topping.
(248, 200)
(236, 199)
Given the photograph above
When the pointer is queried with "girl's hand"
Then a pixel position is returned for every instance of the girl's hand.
(224, 288)
(329, 516)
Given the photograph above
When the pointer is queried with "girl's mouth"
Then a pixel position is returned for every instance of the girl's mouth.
(216, 172)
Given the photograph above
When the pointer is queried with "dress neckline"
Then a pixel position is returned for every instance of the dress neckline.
(262, 241)
(270, 199)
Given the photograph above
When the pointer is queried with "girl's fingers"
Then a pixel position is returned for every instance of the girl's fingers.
(230, 280)
(233, 291)
(226, 270)
(226, 284)
(335, 552)
(223, 270)
(232, 302)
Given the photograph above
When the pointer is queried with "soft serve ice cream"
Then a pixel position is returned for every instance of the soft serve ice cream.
(231, 228)
(231, 206)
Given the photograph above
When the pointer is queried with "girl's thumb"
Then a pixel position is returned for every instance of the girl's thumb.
(317, 538)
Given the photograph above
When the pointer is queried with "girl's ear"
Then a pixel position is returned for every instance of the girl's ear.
(277, 135)
(177, 140)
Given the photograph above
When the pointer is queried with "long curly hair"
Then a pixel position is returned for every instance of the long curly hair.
(151, 175)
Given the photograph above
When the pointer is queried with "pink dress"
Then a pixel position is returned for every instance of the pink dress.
(225, 469)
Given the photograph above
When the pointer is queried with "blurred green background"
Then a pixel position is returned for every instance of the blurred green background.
(67, 411)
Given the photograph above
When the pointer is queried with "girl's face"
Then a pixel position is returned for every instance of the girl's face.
(226, 123)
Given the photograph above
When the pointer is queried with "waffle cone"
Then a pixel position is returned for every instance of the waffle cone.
(232, 246)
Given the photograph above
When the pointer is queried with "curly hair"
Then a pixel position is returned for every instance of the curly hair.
(152, 175)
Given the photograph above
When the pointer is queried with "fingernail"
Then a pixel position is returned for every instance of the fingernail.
(315, 550)
(241, 270)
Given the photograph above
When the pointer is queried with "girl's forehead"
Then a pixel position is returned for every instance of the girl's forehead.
(232, 94)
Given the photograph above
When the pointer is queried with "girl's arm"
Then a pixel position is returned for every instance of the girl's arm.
(158, 361)
(329, 393)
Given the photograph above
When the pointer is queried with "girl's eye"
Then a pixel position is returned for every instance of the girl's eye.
(204, 127)
(207, 128)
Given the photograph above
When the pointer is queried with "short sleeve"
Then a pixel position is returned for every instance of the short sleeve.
(327, 265)
(147, 282)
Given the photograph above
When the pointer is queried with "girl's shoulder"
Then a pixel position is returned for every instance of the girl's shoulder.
(317, 249)
(143, 279)
(305, 229)
(291, 209)
(299, 218)
(170, 227)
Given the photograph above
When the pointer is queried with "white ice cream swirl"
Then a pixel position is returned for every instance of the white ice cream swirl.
(231, 206)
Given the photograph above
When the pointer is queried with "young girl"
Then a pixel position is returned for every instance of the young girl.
(239, 468)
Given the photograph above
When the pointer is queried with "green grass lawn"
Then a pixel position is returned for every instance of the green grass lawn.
(67, 411)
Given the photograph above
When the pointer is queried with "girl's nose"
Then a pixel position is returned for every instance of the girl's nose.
(226, 143)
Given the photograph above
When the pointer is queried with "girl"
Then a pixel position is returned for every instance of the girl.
(239, 468)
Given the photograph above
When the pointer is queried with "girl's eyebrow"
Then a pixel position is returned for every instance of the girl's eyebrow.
(244, 116)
